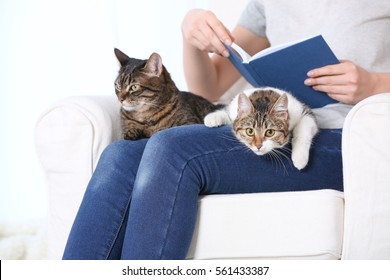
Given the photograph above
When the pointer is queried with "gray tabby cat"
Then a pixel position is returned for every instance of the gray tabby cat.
(150, 99)
(264, 119)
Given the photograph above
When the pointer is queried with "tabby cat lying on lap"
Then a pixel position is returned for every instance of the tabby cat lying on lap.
(150, 99)
(264, 119)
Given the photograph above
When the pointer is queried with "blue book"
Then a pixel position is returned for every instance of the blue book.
(286, 66)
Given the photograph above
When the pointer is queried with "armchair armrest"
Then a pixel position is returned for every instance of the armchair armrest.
(75, 130)
(366, 164)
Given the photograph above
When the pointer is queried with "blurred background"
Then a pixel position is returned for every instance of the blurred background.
(51, 49)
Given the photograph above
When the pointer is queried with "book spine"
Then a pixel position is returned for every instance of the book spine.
(257, 81)
(244, 68)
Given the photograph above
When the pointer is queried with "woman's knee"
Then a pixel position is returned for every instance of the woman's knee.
(117, 165)
(122, 151)
(171, 144)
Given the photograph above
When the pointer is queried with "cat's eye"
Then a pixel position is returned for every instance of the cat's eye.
(135, 87)
(250, 131)
(269, 132)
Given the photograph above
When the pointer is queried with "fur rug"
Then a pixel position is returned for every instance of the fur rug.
(23, 241)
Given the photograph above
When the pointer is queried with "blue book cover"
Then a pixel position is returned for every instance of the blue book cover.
(286, 66)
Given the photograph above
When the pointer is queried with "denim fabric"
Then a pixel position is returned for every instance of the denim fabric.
(141, 202)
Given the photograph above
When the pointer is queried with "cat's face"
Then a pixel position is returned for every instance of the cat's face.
(262, 121)
(139, 82)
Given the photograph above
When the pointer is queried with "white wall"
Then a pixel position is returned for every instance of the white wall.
(52, 49)
(48, 50)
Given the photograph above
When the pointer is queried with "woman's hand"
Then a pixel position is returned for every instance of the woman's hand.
(345, 82)
(203, 30)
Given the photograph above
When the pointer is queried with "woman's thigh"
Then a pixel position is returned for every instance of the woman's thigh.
(224, 165)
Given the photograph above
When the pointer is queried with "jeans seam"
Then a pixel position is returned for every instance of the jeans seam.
(118, 229)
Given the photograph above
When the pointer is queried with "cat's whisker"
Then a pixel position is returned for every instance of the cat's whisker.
(245, 149)
(240, 147)
(152, 105)
(278, 157)
(280, 152)
(287, 156)
(285, 149)
(230, 138)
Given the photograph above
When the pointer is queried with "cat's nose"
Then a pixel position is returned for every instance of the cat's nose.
(258, 144)
(257, 147)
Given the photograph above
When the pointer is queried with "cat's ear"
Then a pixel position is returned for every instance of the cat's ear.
(122, 57)
(154, 65)
(280, 107)
(245, 106)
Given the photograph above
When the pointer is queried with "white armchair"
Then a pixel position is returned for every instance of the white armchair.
(322, 224)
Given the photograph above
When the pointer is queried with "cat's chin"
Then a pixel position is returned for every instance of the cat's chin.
(129, 108)
(259, 152)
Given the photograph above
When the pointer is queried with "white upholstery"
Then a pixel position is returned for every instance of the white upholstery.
(366, 155)
(270, 225)
(323, 224)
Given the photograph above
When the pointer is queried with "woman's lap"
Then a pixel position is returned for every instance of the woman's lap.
(169, 171)
(224, 165)
(180, 163)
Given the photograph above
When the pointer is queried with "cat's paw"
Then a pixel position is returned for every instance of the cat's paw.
(132, 134)
(216, 119)
(300, 159)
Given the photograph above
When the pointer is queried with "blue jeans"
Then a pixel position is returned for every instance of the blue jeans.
(141, 202)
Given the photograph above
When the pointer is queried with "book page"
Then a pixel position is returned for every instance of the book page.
(277, 48)
(271, 50)
(240, 52)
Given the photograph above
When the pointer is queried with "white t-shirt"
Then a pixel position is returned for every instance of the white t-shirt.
(356, 30)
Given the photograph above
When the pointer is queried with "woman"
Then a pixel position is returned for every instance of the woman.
(141, 202)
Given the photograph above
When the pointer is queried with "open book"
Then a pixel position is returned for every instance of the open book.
(286, 66)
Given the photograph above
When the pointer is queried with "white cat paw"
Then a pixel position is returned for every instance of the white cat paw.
(216, 119)
(300, 160)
